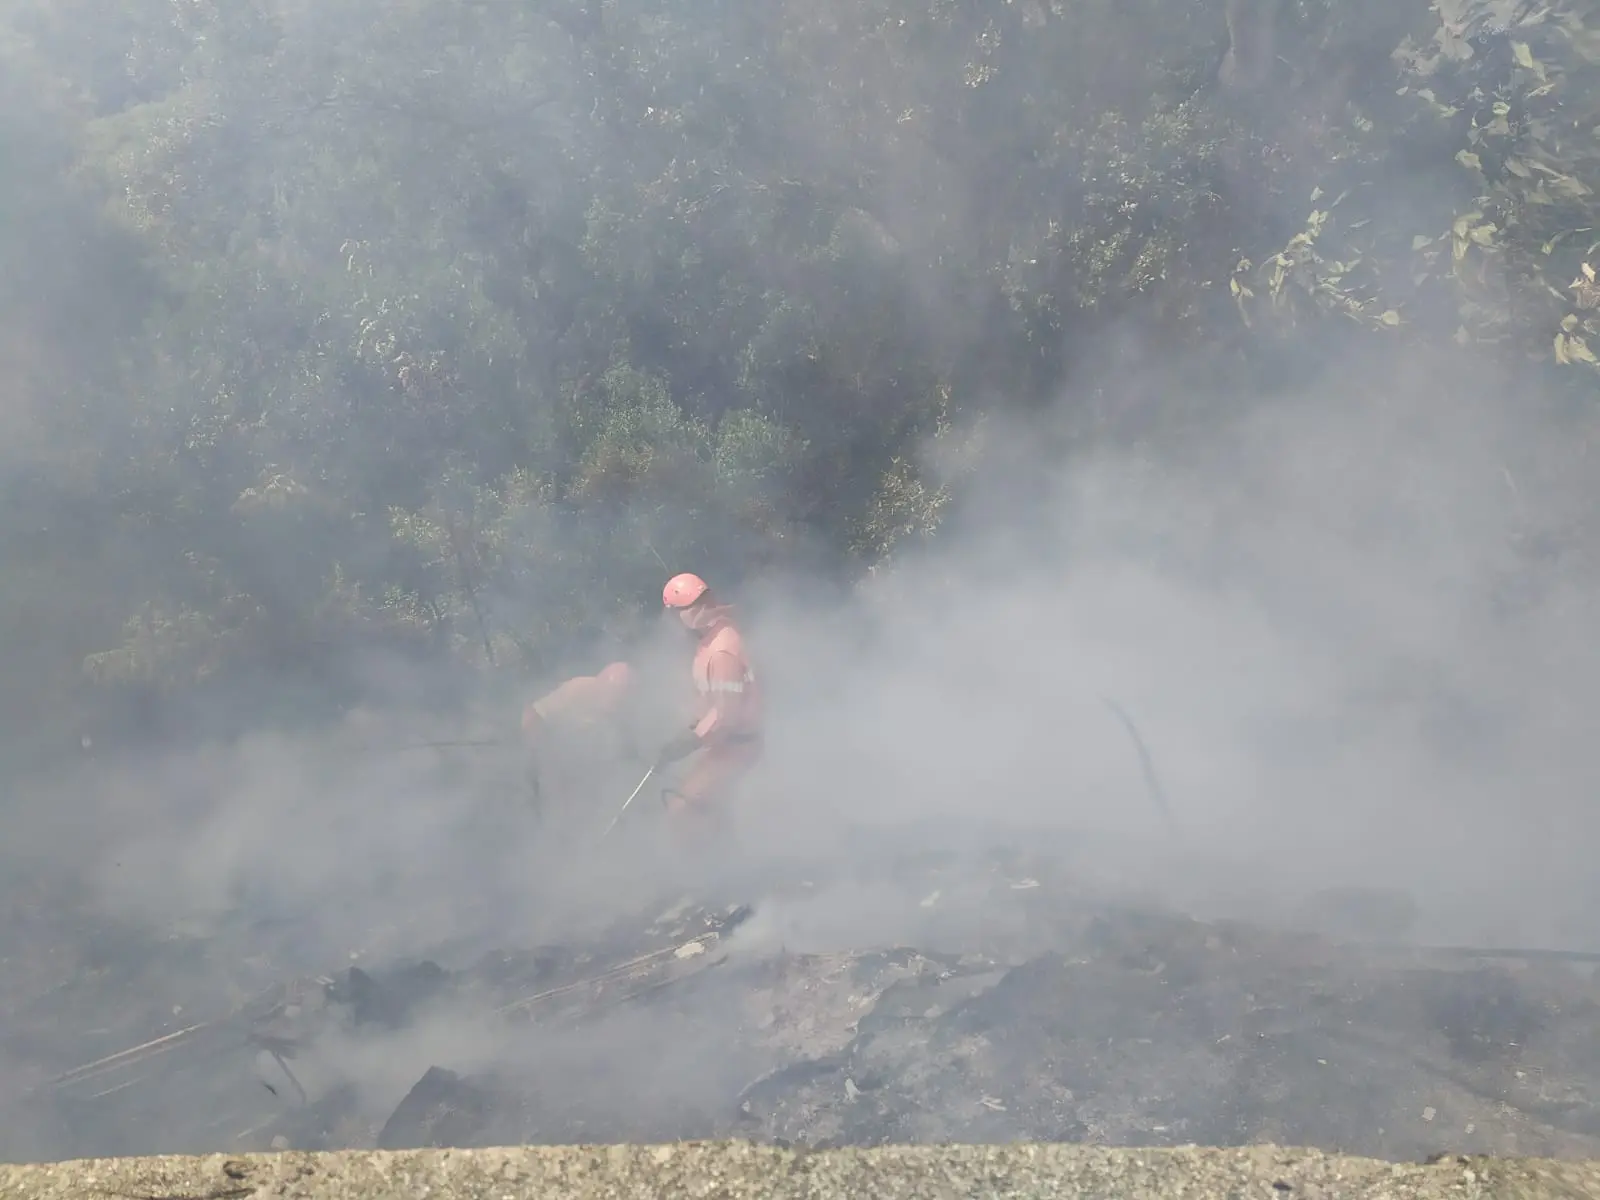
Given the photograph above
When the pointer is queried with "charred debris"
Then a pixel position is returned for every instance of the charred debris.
(1043, 1014)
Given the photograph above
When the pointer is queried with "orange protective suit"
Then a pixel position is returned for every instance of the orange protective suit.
(729, 719)
(584, 701)
(573, 736)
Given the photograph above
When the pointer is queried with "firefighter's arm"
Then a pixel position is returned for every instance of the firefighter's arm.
(532, 723)
(537, 713)
(681, 746)
(725, 673)
(726, 677)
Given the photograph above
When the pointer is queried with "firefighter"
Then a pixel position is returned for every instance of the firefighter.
(725, 740)
(585, 701)
(568, 732)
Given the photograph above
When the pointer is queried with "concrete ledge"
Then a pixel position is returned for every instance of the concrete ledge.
(737, 1171)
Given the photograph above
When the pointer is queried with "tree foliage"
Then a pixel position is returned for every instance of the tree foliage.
(440, 326)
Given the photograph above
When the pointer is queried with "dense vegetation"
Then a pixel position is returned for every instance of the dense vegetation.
(438, 326)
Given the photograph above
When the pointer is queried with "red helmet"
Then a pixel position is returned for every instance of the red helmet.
(684, 591)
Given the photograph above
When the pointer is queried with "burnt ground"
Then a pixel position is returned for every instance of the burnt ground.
(1023, 1007)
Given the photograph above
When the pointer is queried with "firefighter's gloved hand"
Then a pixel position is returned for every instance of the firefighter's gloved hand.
(685, 744)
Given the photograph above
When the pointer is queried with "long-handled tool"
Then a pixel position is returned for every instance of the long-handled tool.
(1147, 766)
(634, 795)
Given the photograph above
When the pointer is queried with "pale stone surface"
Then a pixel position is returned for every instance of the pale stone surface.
(737, 1171)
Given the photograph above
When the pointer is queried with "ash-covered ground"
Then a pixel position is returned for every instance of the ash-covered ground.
(996, 992)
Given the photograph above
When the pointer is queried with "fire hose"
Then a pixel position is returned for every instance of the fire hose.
(1147, 766)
